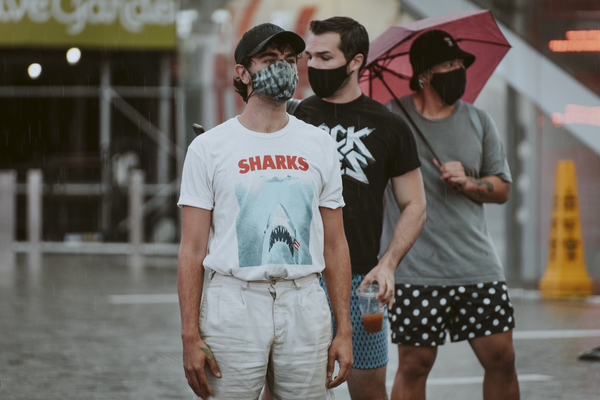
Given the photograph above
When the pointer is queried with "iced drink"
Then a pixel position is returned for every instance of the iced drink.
(373, 323)
(372, 313)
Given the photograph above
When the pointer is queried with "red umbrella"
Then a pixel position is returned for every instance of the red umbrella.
(388, 69)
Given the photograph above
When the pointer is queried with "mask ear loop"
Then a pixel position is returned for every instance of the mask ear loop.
(347, 64)
(252, 91)
(422, 82)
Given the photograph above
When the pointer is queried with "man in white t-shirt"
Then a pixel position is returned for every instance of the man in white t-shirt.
(261, 197)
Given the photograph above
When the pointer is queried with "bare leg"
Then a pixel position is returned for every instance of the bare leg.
(367, 384)
(414, 365)
(497, 356)
(265, 393)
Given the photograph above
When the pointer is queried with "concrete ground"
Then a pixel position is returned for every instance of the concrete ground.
(96, 327)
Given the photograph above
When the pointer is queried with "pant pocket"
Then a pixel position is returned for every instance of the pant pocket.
(209, 306)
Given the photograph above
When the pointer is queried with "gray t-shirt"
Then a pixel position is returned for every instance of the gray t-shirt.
(454, 247)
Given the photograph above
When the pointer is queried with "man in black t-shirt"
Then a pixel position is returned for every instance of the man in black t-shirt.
(375, 146)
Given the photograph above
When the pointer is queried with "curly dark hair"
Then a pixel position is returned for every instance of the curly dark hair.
(354, 38)
(283, 46)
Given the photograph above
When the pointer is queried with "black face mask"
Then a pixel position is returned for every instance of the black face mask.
(450, 85)
(325, 82)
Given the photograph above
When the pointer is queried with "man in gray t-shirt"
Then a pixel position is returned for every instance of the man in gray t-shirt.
(452, 279)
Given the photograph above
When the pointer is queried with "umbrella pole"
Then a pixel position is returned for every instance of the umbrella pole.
(411, 121)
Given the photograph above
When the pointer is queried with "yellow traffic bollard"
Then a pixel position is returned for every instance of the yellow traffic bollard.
(566, 274)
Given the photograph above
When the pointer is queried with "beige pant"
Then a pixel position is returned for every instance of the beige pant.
(278, 331)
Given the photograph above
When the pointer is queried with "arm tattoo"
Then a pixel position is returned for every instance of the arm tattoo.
(208, 352)
(480, 193)
(485, 183)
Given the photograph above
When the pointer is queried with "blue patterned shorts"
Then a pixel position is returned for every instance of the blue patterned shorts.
(370, 349)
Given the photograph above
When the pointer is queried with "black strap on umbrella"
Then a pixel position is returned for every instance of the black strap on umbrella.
(412, 122)
(418, 130)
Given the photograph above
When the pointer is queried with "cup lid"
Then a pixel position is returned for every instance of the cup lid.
(368, 290)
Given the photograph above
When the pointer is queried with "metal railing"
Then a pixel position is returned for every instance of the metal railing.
(34, 246)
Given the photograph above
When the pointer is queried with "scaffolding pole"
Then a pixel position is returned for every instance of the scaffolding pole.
(8, 209)
(163, 164)
(105, 118)
(35, 214)
(136, 216)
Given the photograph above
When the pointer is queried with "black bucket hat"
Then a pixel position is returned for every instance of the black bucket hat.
(432, 48)
(256, 38)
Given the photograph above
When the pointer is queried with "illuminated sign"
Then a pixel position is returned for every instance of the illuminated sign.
(88, 23)
(577, 41)
(575, 114)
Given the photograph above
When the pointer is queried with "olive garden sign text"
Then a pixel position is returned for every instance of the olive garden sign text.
(109, 24)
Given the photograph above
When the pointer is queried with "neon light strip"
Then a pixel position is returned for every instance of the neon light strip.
(574, 46)
(575, 114)
(577, 41)
(583, 35)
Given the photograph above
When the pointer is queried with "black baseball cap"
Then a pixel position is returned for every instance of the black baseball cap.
(257, 37)
(432, 48)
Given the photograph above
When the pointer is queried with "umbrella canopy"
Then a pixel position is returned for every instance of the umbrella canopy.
(388, 71)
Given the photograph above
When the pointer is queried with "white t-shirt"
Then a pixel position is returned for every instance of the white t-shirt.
(265, 190)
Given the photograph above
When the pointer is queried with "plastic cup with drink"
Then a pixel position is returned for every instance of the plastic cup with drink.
(372, 313)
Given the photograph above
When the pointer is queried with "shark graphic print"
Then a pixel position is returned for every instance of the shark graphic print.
(280, 243)
(273, 224)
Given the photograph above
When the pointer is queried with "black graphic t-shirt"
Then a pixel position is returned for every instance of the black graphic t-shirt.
(373, 145)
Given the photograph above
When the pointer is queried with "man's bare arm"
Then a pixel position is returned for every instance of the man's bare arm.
(489, 189)
(409, 193)
(337, 276)
(190, 278)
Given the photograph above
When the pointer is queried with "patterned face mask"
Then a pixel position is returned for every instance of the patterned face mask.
(278, 81)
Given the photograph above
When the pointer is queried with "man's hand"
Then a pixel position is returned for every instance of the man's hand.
(340, 350)
(487, 189)
(453, 173)
(196, 355)
(384, 275)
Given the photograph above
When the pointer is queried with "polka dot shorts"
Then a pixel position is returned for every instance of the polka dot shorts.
(422, 315)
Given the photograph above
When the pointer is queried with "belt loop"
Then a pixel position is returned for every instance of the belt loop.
(244, 285)
(211, 274)
(298, 285)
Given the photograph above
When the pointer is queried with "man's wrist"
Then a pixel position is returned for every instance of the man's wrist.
(344, 332)
(387, 263)
(190, 335)
(469, 184)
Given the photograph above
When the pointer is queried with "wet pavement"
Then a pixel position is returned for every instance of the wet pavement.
(102, 327)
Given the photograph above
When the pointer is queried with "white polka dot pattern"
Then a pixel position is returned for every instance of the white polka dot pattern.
(466, 311)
